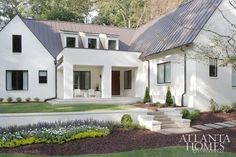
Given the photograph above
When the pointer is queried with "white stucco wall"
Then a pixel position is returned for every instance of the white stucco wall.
(108, 60)
(158, 91)
(200, 87)
(219, 88)
(34, 57)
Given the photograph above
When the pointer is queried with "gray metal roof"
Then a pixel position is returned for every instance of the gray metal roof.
(48, 33)
(176, 28)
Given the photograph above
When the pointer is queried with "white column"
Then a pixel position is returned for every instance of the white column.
(68, 80)
(106, 81)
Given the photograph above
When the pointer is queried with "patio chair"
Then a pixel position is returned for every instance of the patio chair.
(91, 93)
(78, 93)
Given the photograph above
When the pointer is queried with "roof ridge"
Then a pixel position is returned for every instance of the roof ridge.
(24, 18)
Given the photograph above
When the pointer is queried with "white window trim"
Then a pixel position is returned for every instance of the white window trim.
(117, 43)
(92, 37)
(71, 36)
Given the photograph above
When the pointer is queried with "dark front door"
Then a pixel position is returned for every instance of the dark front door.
(115, 83)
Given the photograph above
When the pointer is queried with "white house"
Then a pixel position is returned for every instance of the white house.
(65, 60)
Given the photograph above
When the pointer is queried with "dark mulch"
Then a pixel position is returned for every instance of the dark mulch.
(209, 117)
(120, 140)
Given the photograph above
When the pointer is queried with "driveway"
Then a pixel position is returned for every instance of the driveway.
(33, 118)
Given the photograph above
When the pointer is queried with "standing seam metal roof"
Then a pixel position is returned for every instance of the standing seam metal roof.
(176, 28)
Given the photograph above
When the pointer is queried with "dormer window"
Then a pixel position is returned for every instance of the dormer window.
(112, 44)
(92, 43)
(70, 42)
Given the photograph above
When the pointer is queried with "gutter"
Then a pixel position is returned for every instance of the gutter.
(185, 78)
(56, 65)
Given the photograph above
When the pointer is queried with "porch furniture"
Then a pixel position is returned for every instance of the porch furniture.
(91, 93)
(78, 93)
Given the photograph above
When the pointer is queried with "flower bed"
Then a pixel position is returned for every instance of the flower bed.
(56, 133)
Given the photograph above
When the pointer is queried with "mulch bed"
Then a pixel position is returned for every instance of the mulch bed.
(120, 140)
(209, 117)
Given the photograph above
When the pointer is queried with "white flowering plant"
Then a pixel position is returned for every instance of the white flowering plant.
(56, 133)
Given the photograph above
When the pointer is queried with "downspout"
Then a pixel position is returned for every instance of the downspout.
(185, 78)
(149, 75)
(55, 62)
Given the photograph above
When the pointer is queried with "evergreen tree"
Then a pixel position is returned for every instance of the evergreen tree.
(169, 100)
(147, 97)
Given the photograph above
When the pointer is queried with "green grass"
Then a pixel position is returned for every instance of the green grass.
(161, 152)
(45, 107)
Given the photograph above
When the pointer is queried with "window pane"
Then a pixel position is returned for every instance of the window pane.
(70, 42)
(83, 79)
(128, 79)
(160, 73)
(9, 80)
(213, 67)
(167, 72)
(87, 80)
(16, 43)
(43, 77)
(112, 44)
(25, 80)
(234, 77)
(92, 43)
(17, 80)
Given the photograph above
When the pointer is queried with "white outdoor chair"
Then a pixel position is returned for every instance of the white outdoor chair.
(91, 93)
(78, 93)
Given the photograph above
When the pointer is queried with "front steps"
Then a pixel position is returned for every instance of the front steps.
(166, 122)
(96, 100)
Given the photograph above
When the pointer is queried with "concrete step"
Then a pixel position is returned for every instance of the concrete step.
(166, 126)
(158, 113)
(95, 100)
(162, 119)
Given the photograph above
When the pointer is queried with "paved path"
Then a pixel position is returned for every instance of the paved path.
(226, 124)
(33, 118)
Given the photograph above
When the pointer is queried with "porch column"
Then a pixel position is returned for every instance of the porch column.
(106, 81)
(68, 80)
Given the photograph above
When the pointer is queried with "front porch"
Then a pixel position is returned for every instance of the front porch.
(90, 83)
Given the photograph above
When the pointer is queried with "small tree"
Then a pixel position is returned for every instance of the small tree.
(169, 100)
(147, 97)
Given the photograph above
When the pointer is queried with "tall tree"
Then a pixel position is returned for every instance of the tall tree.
(119, 12)
(72, 10)
(131, 13)
(9, 8)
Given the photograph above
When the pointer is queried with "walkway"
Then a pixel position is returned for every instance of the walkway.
(197, 128)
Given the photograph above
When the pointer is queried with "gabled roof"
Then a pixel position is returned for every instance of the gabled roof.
(176, 28)
(48, 33)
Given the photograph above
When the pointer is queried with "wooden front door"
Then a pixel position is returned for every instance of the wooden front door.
(115, 83)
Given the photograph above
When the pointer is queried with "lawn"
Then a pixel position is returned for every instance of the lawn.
(46, 107)
(161, 152)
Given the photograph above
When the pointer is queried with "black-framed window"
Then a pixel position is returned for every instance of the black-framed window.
(16, 80)
(233, 77)
(92, 43)
(164, 73)
(82, 80)
(16, 43)
(70, 42)
(128, 79)
(112, 44)
(213, 67)
(43, 76)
